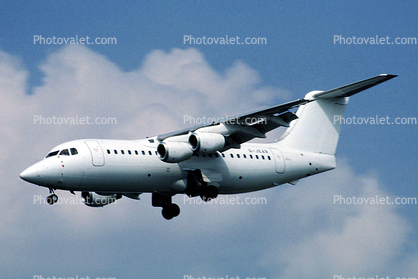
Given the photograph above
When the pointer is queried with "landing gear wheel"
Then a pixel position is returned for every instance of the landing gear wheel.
(52, 199)
(170, 211)
(209, 193)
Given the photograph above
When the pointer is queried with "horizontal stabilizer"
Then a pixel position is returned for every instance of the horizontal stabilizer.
(351, 89)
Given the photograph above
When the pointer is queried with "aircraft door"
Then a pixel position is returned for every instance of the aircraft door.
(96, 153)
(279, 159)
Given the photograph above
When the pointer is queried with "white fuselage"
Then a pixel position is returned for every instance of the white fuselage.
(133, 166)
(204, 161)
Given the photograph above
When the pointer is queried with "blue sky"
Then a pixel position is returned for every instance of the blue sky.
(150, 79)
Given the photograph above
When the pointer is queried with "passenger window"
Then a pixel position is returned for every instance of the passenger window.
(123, 152)
(143, 152)
(149, 152)
(256, 156)
(245, 156)
(238, 156)
(53, 153)
(129, 152)
(136, 152)
(65, 152)
(251, 156)
(262, 156)
(269, 157)
(232, 155)
(108, 151)
(74, 151)
(116, 152)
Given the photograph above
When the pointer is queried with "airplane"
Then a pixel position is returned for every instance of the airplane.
(206, 160)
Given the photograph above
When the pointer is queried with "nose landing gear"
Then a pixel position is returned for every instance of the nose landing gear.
(51, 199)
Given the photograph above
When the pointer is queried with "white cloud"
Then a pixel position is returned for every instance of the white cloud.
(338, 239)
(300, 232)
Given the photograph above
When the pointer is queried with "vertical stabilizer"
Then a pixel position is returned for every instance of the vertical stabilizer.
(318, 126)
(316, 129)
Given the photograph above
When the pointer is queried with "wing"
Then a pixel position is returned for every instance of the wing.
(242, 128)
(245, 127)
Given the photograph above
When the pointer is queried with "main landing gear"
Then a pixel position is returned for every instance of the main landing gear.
(195, 187)
(170, 210)
(52, 198)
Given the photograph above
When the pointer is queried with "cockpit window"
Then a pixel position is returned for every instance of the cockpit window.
(73, 151)
(53, 153)
(65, 152)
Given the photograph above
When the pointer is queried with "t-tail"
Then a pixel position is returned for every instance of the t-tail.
(318, 126)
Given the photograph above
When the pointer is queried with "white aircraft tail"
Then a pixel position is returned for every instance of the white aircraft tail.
(317, 128)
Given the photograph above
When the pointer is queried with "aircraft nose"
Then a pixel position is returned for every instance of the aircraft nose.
(30, 174)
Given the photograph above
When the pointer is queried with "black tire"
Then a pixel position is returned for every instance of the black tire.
(167, 213)
(170, 211)
(175, 209)
(212, 192)
(209, 193)
(50, 200)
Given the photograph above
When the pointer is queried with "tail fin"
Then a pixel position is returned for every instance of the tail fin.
(317, 128)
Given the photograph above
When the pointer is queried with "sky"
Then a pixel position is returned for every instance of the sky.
(149, 79)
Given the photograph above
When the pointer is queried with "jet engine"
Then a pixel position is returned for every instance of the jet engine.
(95, 200)
(174, 151)
(206, 142)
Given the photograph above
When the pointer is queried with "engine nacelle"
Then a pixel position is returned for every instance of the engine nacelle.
(95, 200)
(174, 151)
(206, 142)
